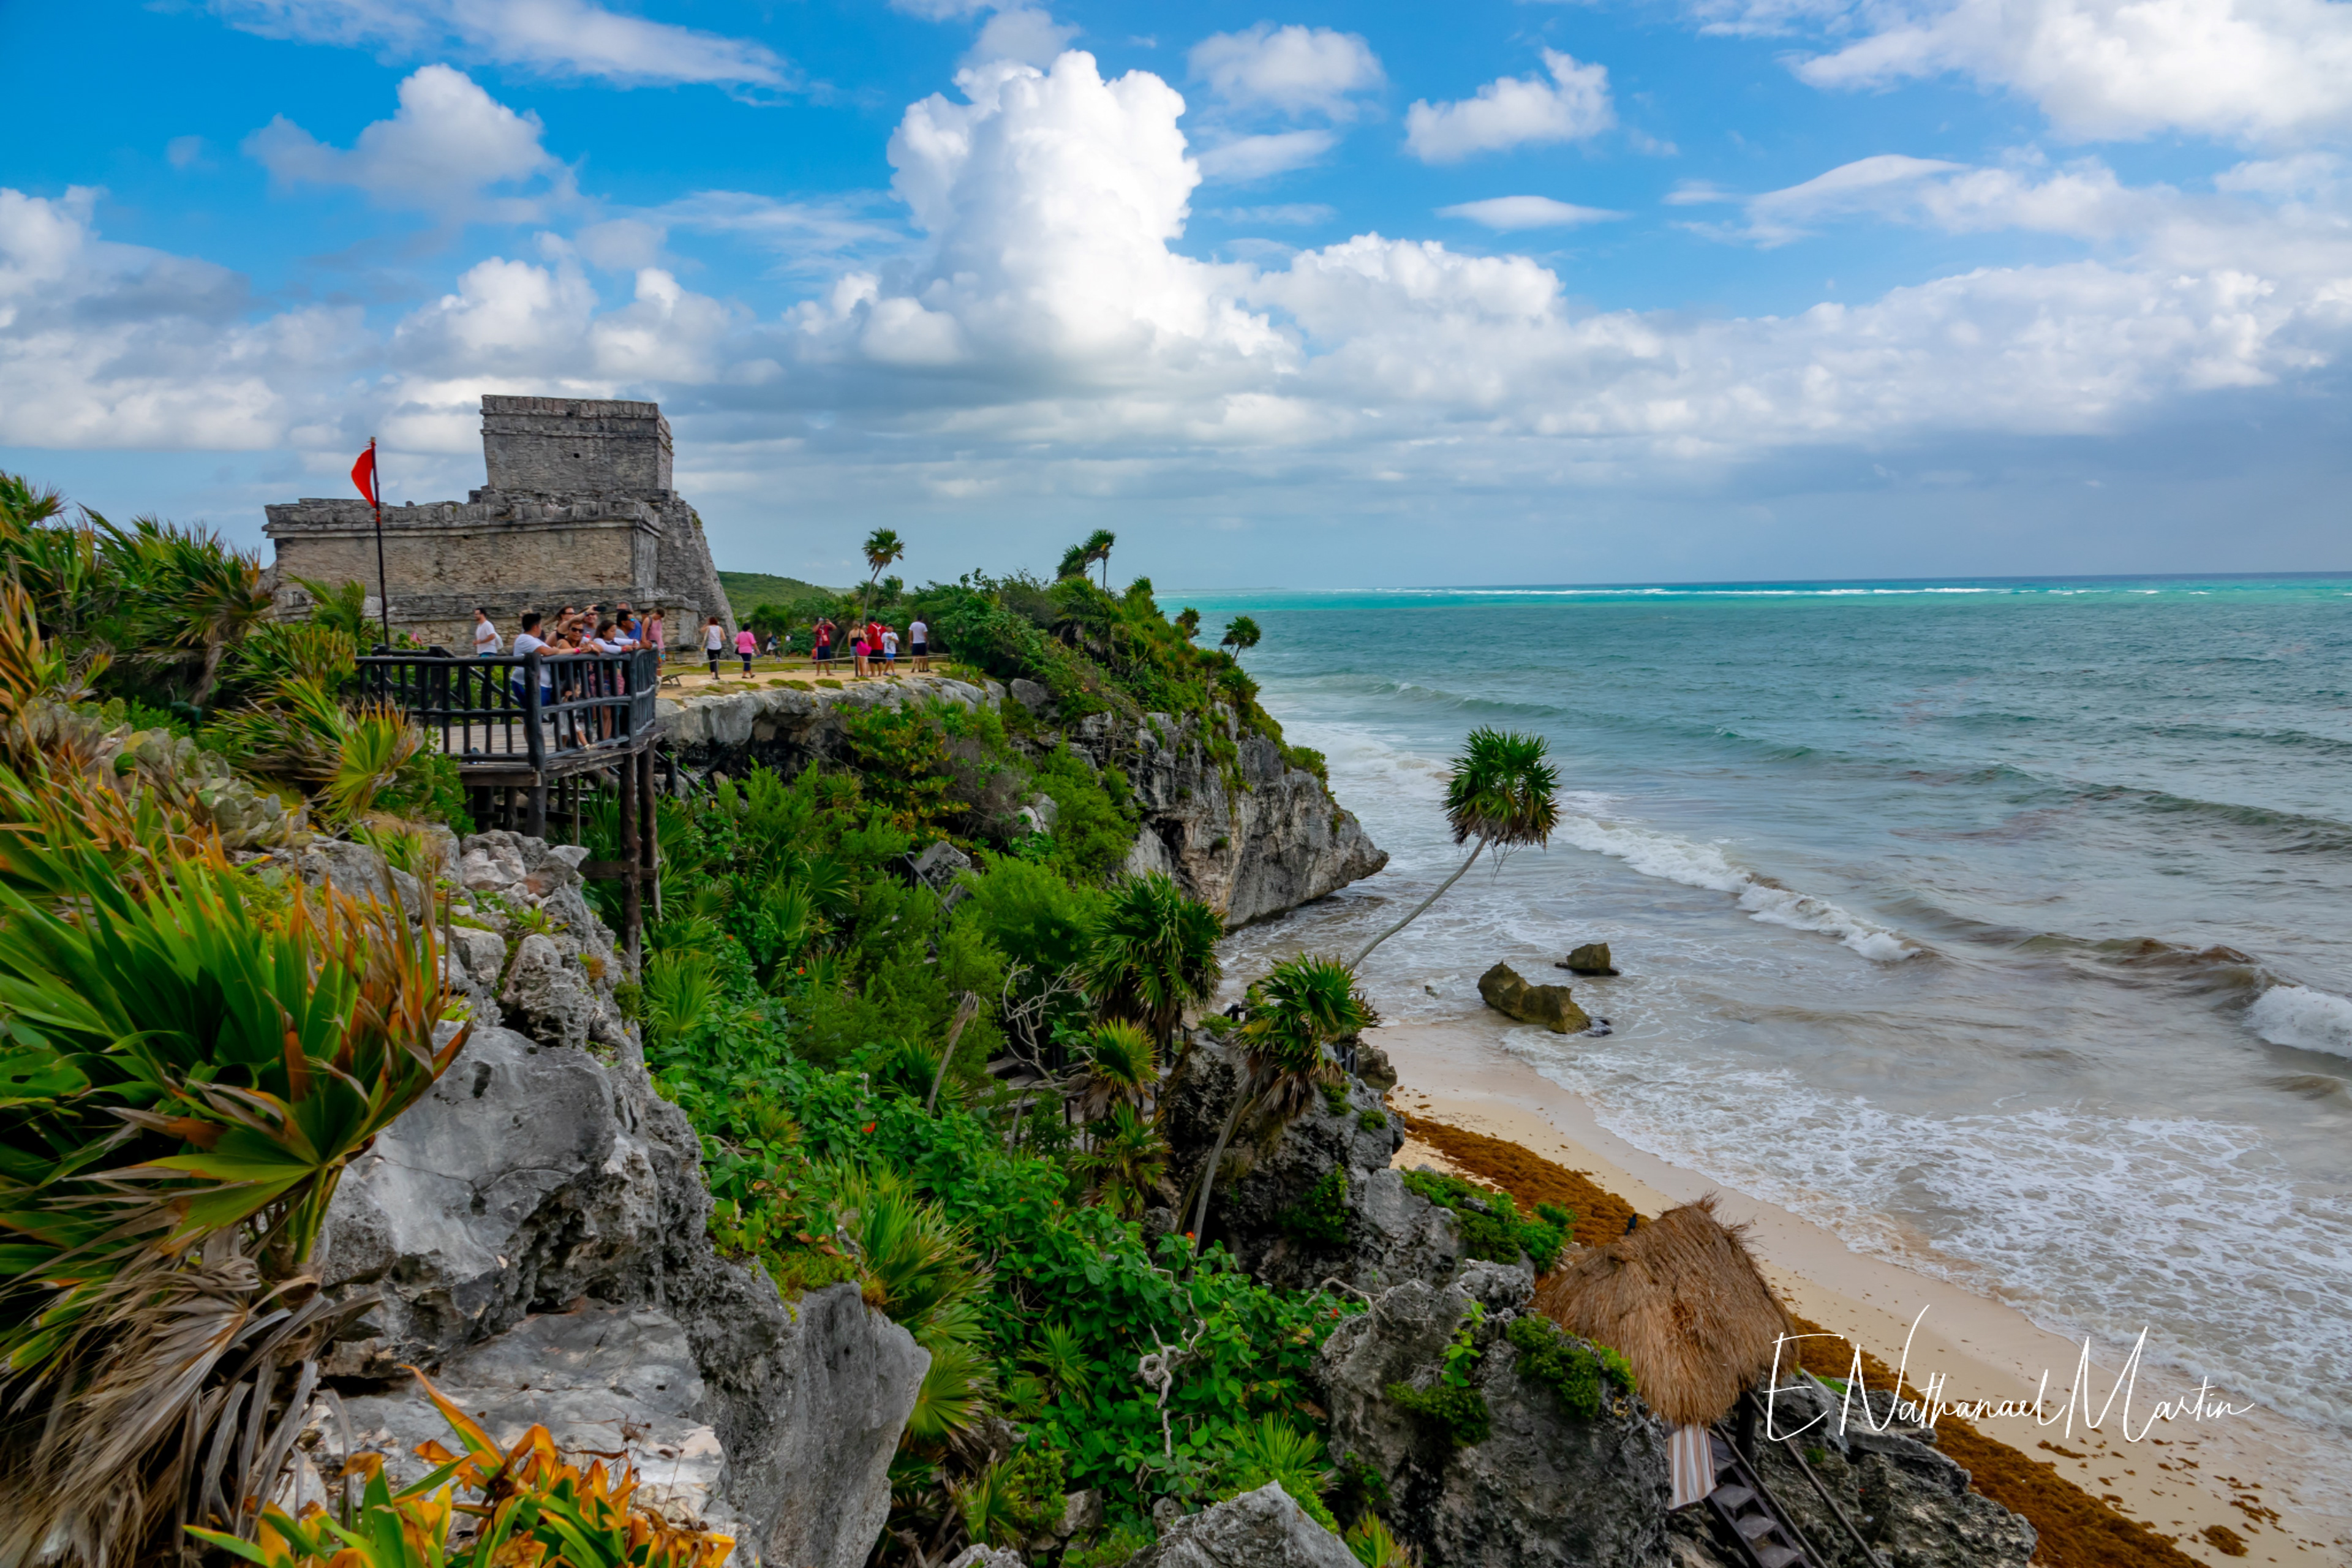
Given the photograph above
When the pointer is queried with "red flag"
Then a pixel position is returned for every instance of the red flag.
(363, 474)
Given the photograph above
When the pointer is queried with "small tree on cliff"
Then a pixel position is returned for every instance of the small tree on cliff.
(1304, 1003)
(1502, 793)
(1153, 951)
(1241, 635)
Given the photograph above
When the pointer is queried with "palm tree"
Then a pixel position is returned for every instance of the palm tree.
(1188, 621)
(1153, 950)
(1122, 1067)
(1075, 562)
(1097, 548)
(1501, 793)
(882, 547)
(1304, 1003)
(1241, 635)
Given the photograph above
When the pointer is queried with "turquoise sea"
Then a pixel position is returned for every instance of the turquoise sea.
(2002, 927)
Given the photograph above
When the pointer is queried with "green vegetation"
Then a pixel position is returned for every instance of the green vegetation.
(1453, 1404)
(1573, 1370)
(1492, 1227)
(1321, 1215)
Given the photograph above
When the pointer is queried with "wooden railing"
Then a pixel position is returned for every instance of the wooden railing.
(526, 711)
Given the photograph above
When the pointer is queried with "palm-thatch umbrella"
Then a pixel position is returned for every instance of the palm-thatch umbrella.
(1681, 1299)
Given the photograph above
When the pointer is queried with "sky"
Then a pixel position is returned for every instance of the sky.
(1313, 295)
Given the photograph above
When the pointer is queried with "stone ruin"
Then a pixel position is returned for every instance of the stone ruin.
(578, 511)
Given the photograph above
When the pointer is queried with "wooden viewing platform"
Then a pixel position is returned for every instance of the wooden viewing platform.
(520, 725)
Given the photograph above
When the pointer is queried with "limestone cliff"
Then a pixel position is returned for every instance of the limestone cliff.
(1223, 811)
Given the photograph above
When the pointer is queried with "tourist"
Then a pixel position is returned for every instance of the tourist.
(858, 651)
(889, 650)
(821, 650)
(486, 635)
(714, 643)
(526, 642)
(918, 641)
(654, 634)
(747, 648)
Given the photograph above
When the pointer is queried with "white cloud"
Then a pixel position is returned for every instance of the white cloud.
(1023, 33)
(1506, 213)
(2248, 71)
(2083, 201)
(555, 37)
(1294, 71)
(1246, 158)
(1512, 112)
(448, 141)
(185, 152)
(1045, 333)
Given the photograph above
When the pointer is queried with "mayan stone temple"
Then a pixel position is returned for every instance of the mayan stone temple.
(578, 511)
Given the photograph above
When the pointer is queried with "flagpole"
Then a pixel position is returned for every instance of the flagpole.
(382, 585)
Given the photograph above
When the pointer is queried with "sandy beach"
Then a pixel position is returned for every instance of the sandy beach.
(2263, 1477)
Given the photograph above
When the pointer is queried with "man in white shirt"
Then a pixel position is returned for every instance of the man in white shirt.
(486, 635)
(918, 642)
(527, 640)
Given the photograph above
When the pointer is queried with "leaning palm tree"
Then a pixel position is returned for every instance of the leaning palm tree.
(1152, 952)
(1301, 1007)
(882, 547)
(1097, 548)
(1075, 562)
(1241, 635)
(1188, 621)
(1501, 793)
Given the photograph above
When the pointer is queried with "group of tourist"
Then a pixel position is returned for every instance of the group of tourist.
(874, 647)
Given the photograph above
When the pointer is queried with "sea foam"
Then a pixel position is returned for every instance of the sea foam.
(2300, 1015)
(1674, 859)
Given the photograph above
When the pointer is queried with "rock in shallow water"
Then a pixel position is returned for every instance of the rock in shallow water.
(1592, 958)
(1551, 1005)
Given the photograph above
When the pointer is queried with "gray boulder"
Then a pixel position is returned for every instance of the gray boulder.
(1910, 1500)
(976, 1556)
(1312, 1198)
(1543, 1489)
(1264, 1529)
(1552, 1006)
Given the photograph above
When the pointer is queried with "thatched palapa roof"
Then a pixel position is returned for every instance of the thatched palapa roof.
(1682, 1301)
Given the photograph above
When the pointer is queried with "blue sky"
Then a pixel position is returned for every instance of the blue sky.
(1320, 295)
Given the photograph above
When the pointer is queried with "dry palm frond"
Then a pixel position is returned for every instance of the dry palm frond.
(1683, 1302)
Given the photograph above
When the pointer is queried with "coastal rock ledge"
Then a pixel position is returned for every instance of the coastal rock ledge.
(1251, 837)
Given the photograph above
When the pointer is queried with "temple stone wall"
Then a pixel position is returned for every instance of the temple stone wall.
(577, 511)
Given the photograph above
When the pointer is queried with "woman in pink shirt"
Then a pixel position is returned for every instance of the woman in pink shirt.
(747, 643)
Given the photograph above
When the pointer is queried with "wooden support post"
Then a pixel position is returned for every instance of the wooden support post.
(648, 826)
(632, 894)
(534, 816)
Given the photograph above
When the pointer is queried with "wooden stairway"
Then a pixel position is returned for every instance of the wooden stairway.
(1751, 1517)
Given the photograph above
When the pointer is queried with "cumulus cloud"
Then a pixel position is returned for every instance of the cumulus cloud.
(1294, 71)
(1513, 112)
(555, 38)
(1023, 33)
(1505, 214)
(2248, 71)
(448, 142)
(1046, 322)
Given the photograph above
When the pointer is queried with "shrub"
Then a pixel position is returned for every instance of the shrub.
(1322, 1217)
(1271, 1450)
(1492, 1227)
(1573, 1370)
(1453, 1402)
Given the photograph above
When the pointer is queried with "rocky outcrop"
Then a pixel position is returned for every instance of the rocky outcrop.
(1264, 1529)
(1250, 838)
(1250, 835)
(1908, 1498)
(1543, 1487)
(1549, 1005)
(534, 1231)
(1312, 1198)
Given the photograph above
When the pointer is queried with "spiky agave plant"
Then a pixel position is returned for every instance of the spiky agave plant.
(190, 1071)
